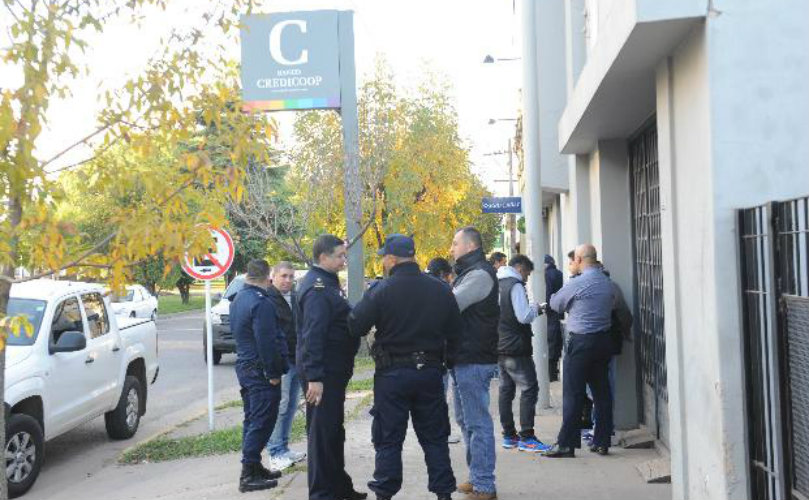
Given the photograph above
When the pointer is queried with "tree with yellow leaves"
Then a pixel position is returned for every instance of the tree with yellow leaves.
(180, 92)
(415, 170)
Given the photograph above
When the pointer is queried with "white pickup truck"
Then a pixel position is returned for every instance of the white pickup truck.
(81, 362)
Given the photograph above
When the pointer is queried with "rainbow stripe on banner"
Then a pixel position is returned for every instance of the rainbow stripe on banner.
(288, 104)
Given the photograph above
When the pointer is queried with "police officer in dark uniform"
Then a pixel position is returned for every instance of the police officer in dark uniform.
(325, 359)
(260, 363)
(418, 325)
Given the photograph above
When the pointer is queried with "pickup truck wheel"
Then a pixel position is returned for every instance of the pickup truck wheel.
(122, 422)
(217, 356)
(24, 453)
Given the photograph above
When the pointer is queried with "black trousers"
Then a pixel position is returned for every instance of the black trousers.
(400, 393)
(326, 435)
(261, 400)
(586, 361)
(518, 371)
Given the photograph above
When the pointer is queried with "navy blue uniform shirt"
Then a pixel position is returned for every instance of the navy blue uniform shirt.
(255, 329)
(412, 312)
(324, 345)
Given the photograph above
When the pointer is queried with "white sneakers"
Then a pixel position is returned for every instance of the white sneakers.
(286, 460)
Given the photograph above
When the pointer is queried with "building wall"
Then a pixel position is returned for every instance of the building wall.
(733, 107)
(552, 92)
(611, 219)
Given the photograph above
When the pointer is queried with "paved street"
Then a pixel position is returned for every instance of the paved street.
(178, 394)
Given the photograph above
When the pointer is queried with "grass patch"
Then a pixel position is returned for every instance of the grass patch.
(236, 403)
(163, 448)
(366, 384)
(168, 304)
(219, 442)
(363, 363)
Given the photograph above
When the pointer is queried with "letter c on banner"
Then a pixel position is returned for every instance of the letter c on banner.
(275, 43)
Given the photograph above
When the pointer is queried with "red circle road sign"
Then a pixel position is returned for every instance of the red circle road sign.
(216, 262)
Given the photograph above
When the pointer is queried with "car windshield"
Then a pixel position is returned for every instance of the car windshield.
(31, 309)
(234, 286)
(130, 294)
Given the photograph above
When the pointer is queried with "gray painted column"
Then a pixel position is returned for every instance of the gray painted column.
(613, 221)
(353, 185)
(668, 244)
(532, 195)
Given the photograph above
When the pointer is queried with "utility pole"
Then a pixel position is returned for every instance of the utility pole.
(512, 218)
(532, 196)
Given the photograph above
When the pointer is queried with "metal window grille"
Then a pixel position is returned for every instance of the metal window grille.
(774, 258)
(649, 313)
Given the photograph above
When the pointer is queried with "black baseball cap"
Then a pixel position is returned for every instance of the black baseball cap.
(398, 245)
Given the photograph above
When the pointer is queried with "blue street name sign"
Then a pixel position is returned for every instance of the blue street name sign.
(507, 205)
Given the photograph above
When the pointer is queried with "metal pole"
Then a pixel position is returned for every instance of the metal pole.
(209, 351)
(512, 218)
(532, 195)
(351, 148)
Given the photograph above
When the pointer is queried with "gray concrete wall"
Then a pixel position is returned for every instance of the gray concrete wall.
(552, 92)
(733, 118)
(612, 235)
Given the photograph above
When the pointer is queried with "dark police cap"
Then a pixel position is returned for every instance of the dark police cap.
(398, 245)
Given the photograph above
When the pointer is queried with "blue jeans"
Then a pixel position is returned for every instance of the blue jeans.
(471, 390)
(290, 393)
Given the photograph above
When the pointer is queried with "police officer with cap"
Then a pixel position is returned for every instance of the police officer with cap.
(325, 359)
(261, 360)
(418, 326)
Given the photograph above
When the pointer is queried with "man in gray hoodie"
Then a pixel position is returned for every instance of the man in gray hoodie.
(514, 351)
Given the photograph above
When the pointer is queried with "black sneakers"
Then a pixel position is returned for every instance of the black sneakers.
(255, 478)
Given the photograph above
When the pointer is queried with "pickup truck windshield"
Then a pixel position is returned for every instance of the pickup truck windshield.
(31, 309)
(234, 286)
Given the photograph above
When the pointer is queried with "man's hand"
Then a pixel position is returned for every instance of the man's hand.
(314, 393)
(275, 381)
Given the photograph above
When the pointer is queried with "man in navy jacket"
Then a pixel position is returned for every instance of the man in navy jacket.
(261, 362)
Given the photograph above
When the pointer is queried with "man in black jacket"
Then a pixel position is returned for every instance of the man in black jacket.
(286, 305)
(554, 280)
(418, 325)
(325, 360)
(476, 292)
(516, 360)
(261, 360)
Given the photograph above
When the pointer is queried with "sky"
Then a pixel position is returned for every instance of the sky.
(453, 36)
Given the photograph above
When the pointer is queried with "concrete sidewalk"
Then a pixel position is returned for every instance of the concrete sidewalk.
(519, 475)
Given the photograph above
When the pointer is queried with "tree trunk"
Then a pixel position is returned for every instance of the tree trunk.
(185, 292)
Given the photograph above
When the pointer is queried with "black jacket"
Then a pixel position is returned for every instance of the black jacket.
(324, 345)
(286, 316)
(479, 341)
(412, 312)
(514, 337)
(554, 281)
(255, 330)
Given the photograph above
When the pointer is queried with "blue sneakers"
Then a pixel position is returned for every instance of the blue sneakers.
(532, 445)
(510, 442)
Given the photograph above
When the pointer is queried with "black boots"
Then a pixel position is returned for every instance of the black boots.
(255, 477)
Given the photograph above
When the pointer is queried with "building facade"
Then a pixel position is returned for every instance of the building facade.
(666, 120)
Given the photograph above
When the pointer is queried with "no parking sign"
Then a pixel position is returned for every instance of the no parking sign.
(213, 264)
(216, 262)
